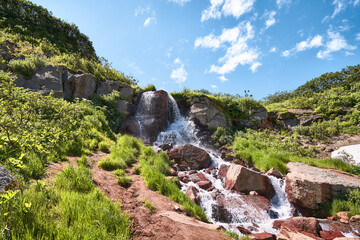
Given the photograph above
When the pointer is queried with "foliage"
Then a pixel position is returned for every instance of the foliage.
(222, 137)
(150, 87)
(268, 150)
(351, 203)
(79, 179)
(36, 129)
(121, 177)
(27, 66)
(148, 205)
(35, 22)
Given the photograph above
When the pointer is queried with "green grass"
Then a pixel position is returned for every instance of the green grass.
(27, 66)
(148, 205)
(71, 179)
(121, 177)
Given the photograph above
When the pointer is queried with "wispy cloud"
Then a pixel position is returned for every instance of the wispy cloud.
(180, 2)
(238, 52)
(213, 86)
(136, 68)
(273, 49)
(309, 43)
(269, 18)
(151, 15)
(282, 3)
(234, 8)
(179, 74)
(335, 43)
(142, 10)
(357, 36)
(223, 78)
(149, 20)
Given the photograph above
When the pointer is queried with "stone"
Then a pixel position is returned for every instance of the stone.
(343, 216)
(45, 80)
(108, 86)
(330, 235)
(262, 236)
(79, 85)
(19, 79)
(125, 107)
(190, 156)
(355, 218)
(3, 67)
(6, 179)
(223, 171)
(166, 146)
(253, 193)
(275, 173)
(204, 184)
(244, 180)
(303, 224)
(207, 114)
(277, 224)
(192, 194)
(127, 92)
(308, 187)
(173, 172)
(243, 230)
(197, 177)
(130, 126)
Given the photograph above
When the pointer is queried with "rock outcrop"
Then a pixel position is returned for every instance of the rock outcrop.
(294, 117)
(190, 156)
(6, 179)
(244, 180)
(308, 186)
(204, 112)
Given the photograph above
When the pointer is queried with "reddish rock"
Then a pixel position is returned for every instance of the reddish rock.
(275, 173)
(173, 172)
(291, 233)
(243, 230)
(204, 184)
(277, 224)
(332, 218)
(185, 180)
(343, 216)
(341, 227)
(190, 156)
(210, 188)
(208, 171)
(244, 180)
(197, 177)
(181, 176)
(329, 235)
(262, 236)
(355, 218)
(191, 193)
(223, 171)
(303, 224)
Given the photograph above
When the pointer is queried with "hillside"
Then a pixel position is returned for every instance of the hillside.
(85, 153)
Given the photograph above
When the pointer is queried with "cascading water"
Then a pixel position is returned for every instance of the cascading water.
(239, 211)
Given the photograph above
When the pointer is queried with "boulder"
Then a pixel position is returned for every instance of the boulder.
(130, 126)
(223, 171)
(190, 156)
(125, 107)
(330, 235)
(242, 179)
(79, 85)
(126, 91)
(295, 117)
(192, 194)
(197, 177)
(207, 114)
(303, 224)
(308, 187)
(275, 173)
(108, 86)
(343, 216)
(355, 218)
(46, 79)
(6, 179)
(262, 236)
(204, 184)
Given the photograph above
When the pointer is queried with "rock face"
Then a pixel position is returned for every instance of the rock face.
(190, 156)
(207, 114)
(299, 228)
(308, 186)
(79, 86)
(5, 179)
(244, 180)
(295, 117)
(154, 113)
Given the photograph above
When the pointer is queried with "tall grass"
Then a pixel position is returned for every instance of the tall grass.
(27, 66)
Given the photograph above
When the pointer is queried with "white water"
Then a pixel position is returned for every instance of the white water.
(183, 131)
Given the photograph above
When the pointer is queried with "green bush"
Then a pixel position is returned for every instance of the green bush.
(150, 87)
(79, 179)
(222, 137)
(27, 66)
(350, 203)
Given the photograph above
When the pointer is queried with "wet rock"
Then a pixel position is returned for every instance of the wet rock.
(209, 170)
(204, 184)
(130, 126)
(173, 172)
(192, 194)
(125, 107)
(287, 233)
(243, 230)
(186, 180)
(166, 146)
(302, 224)
(329, 235)
(181, 176)
(275, 173)
(190, 156)
(6, 179)
(343, 216)
(277, 224)
(223, 171)
(262, 236)
(244, 180)
(197, 177)
(355, 218)
(308, 187)
(210, 189)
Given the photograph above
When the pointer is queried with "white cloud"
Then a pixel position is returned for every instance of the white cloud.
(223, 78)
(149, 21)
(238, 51)
(255, 66)
(357, 36)
(213, 86)
(356, 2)
(285, 53)
(273, 49)
(142, 10)
(270, 18)
(281, 3)
(180, 2)
(335, 43)
(179, 74)
(211, 41)
(309, 43)
(339, 6)
(234, 8)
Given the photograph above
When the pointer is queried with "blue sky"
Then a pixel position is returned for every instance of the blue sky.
(221, 45)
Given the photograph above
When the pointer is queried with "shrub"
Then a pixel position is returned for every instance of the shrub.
(150, 87)
(148, 205)
(350, 203)
(79, 179)
(27, 66)
(222, 137)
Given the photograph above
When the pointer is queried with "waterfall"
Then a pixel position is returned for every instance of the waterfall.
(238, 210)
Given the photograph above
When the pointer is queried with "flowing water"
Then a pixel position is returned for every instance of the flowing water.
(239, 212)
